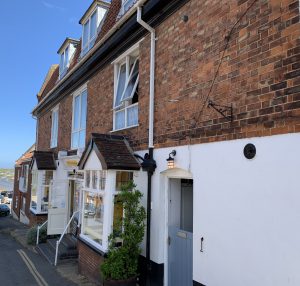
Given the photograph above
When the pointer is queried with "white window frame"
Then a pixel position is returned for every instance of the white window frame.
(54, 128)
(40, 186)
(124, 2)
(101, 193)
(64, 62)
(79, 93)
(90, 41)
(125, 104)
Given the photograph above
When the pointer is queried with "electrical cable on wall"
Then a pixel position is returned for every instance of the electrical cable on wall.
(227, 38)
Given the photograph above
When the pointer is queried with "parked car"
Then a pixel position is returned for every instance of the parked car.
(4, 210)
(2, 199)
(9, 198)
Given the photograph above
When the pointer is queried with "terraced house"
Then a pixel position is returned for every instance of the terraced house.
(197, 102)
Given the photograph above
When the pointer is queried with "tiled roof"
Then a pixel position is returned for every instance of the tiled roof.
(109, 21)
(113, 152)
(26, 157)
(44, 160)
(50, 81)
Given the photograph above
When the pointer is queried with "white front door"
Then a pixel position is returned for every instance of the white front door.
(58, 208)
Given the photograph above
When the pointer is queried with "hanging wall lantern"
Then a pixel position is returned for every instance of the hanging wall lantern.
(170, 160)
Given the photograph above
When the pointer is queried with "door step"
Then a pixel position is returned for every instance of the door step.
(66, 250)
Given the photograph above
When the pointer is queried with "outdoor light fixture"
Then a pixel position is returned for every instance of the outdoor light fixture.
(170, 160)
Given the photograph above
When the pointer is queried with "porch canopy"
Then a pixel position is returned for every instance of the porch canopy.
(44, 160)
(113, 152)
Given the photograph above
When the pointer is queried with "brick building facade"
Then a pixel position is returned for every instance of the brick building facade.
(237, 57)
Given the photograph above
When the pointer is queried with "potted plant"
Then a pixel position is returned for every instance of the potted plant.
(120, 266)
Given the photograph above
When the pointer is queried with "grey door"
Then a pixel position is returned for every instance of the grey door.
(180, 250)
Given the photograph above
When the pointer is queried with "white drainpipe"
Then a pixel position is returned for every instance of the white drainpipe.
(152, 74)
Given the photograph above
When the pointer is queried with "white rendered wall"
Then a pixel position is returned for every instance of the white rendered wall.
(248, 211)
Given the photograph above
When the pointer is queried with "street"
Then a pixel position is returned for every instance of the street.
(21, 266)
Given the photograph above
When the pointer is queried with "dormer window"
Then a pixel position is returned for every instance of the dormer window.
(91, 22)
(126, 5)
(64, 62)
(66, 52)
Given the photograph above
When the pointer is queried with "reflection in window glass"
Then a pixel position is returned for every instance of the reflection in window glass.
(118, 215)
(87, 178)
(34, 183)
(122, 178)
(92, 224)
(102, 180)
(94, 179)
(45, 197)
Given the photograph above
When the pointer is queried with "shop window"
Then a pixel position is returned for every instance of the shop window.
(123, 177)
(93, 213)
(40, 186)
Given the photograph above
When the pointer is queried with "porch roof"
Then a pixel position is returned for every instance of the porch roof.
(45, 160)
(113, 152)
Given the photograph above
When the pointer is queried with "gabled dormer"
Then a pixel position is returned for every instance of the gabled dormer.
(66, 52)
(126, 5)
(91, 22)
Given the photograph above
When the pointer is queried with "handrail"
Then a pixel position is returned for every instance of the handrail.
(38, 232)
(61, 237)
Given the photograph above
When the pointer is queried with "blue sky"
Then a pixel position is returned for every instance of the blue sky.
(31, 33)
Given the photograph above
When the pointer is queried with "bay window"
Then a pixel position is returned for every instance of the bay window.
(79, 119)
(54, 128)
(126, 91)
(40, 186)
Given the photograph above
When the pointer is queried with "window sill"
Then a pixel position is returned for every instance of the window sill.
(95, 246)
(116, 130)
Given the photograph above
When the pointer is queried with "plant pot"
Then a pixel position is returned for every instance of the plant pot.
(126, 282)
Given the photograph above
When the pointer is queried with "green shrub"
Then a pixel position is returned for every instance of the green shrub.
(122, 262)
(31, 235)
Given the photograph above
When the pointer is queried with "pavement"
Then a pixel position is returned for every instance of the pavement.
(67, 269)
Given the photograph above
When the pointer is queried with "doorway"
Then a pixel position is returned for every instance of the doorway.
(180, 232)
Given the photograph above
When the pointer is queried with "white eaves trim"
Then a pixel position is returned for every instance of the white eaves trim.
(126, 16)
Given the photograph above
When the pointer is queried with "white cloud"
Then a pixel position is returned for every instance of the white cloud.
(52, 6)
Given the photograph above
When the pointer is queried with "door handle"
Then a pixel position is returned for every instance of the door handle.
(201, 244)
(169, 240)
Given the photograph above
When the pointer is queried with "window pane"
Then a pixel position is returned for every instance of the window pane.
(121, 84)
(66, 57)
(93, 26)
(83, 109)
(48, 177)
(81, 139)
(45, 196)
(118, 215)
(128, 4)
(120, 119)
(34, 183)
(102, 180)
(76, 113)
(122, 178)
(132, 115)
(92, 224)
(87, 178)
(85, 34)
(61, 64)
(94, 179)
(133, 81)
(75, 137)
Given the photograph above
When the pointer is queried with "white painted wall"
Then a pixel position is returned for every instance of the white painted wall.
(248, 211)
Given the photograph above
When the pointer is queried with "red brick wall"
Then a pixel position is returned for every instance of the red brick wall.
(16, 194)
(64, 127)
(258, 75)
(89, 263)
